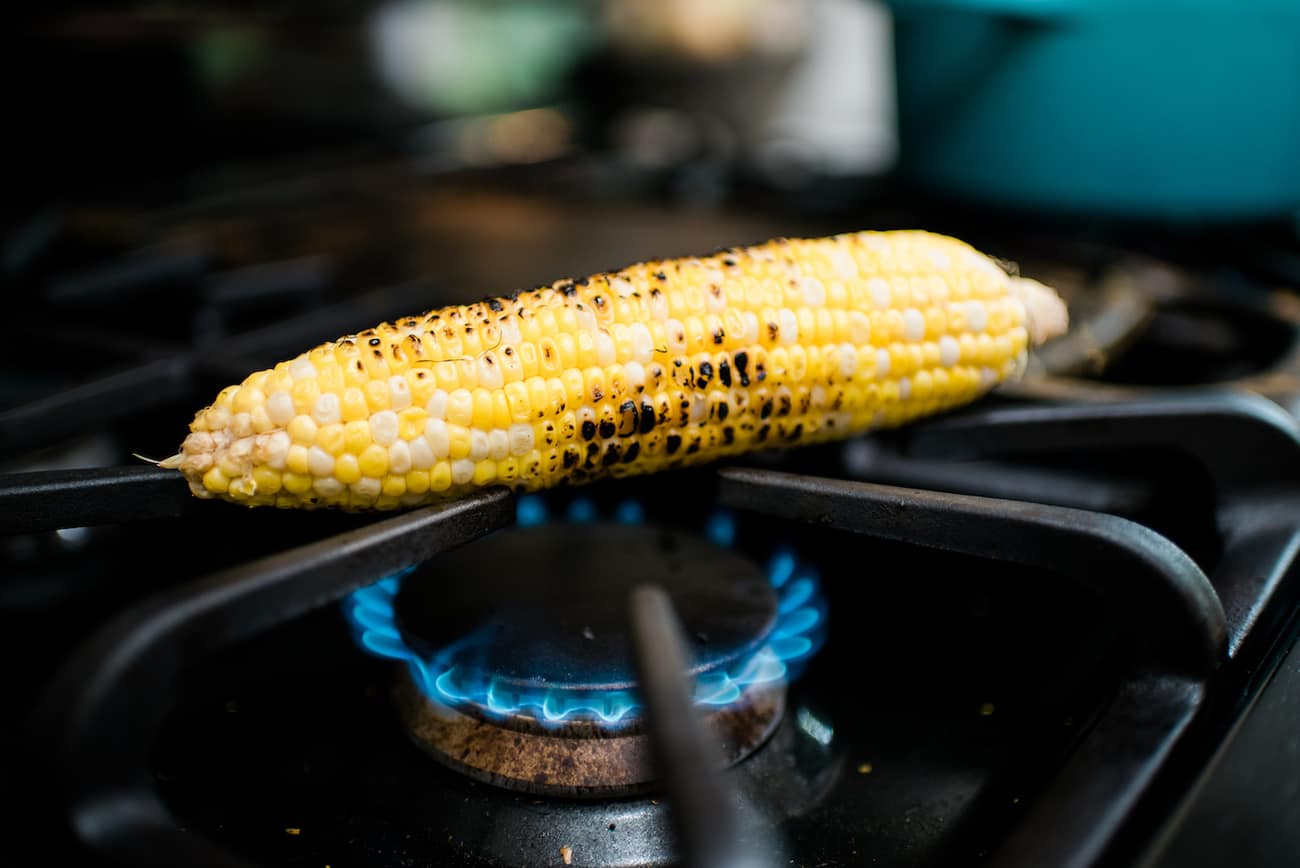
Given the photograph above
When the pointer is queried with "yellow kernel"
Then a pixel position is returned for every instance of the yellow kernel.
(548, 356)
(378, 396)
(517, 395)
(296, 460)
(373, 461)
(356, 436)
(354, 405)
(410, 423)
(508, 469)
(481, 418)
(417, 481)
(346, 469)
(500, 409)
(330, 379)
(296, 483)
(261, 419)
(302, 429)
(460, 408)
(485, 472)
(305, 393)
(331, 438)
(215, 480)
(246, 399)
(440, 476)
(266, 479)
(459, 441)
(539, 396)
(394, 486)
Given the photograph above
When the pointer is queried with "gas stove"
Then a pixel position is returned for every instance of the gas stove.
(1046, 630)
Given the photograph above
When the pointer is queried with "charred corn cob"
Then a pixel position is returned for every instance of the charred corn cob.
(659, 365)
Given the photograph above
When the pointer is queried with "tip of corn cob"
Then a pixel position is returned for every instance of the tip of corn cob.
(659, 365)
(1046, 315)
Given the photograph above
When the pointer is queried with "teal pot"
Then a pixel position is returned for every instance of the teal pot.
(1149, 109)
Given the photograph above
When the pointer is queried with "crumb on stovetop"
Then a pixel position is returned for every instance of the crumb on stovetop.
(566, 854)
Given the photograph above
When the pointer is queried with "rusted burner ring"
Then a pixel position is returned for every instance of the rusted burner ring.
(574, 758)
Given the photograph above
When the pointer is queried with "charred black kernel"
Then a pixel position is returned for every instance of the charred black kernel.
(469, 329)
(593, 449)
(588, 429)
(742, 363)
(374, 342)
(420, 375)
(773, 330)
(546, 351)
(760, 372)
(838, 401)
(647, 418)
(723, 411)
(677, 363)
(488, 358)
(718, 335)
(611, 456)
(599, 301)
(766, 409)
(693, 446)
(673, 443)
(570, 459)
(762, 433)
(715, 290)
(654, 290)
(659, 275)
(794, 433)
(730, 260)
(805, 402)
(567, 287)
(633, 450)
(728, 435)
(628, 408)
(509, 351)
(783, 405)
(379, 354)
(359, 365)
(494, 304)
(347, 342)
(607, 428)
(581, 281)
(706, 375)
(596, 393)
(724, 373)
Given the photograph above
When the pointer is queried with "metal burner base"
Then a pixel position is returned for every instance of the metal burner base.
(582, 759)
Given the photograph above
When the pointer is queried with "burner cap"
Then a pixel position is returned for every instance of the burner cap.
(547, 607)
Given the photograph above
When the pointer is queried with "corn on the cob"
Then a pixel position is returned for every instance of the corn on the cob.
(659, 365)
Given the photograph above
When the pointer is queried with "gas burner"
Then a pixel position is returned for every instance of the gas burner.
(520, 665)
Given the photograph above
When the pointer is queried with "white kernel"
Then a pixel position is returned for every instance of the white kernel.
(400, 390)
(301, 368)
(699, 407)
(751, 328)
(383, 427)
(241, 425)
(882, 363)
(462, 471)
(716, 302)
(421, 454)
(478, 444)
(977, 317)
(818, 396)
(279, 408)
(849, 360)
(634, 373)
(904, 388)
(498, 444)
(859, 327)
(643, 344)
(521, 440)
(913, 325)
(328, 486)
(605, 352)
(814, 292)
(988, 377)
(622, 287)
(675, 336)
(658, 306)
(789, 326)
(844, 264)
(879, 290)
(939, 260)
(586, 319)
(277, 450)
(435, 431)
(949, 351)
(437, 404)
(326, 410)
(399, 457)
(319, 462)
(367, 487)
(510, 336)
(489, 371)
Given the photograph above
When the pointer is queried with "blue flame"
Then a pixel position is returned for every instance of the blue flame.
(797, 635)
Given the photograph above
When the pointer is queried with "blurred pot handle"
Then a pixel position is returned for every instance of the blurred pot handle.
(1023, 9)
